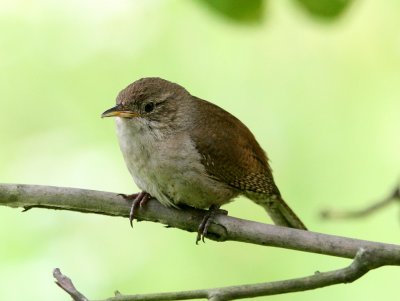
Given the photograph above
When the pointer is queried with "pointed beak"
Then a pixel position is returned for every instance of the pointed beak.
(117, 111)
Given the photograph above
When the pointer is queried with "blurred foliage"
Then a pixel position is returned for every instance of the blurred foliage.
(252, 11)
(247, 11)
(329, 9)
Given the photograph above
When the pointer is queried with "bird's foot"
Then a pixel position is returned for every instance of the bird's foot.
(207, 220)
(129, 197)
(139, 200)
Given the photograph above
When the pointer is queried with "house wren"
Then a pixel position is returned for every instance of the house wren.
(183, 150)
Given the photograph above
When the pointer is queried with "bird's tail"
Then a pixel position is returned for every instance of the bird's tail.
(280, 212)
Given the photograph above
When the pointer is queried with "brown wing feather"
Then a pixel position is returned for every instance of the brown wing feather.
(245, 166)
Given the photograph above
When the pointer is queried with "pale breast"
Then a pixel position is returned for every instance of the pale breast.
(168, 167)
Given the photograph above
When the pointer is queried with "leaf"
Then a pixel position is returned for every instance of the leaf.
(328, 9)
(246, 11)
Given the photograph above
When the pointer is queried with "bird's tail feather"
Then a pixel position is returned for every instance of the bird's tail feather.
(281, 214)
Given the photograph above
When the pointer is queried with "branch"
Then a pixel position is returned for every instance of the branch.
(367, 255)
(223, 228)
(66, 284)
(363, 212)
(364, 261)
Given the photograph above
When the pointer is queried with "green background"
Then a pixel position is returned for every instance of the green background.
(322, 97)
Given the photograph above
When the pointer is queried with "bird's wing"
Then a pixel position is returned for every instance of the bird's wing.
(229, 151)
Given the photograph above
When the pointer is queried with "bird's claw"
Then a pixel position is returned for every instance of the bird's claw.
(139, 200)
(129, 197)
(206, 222)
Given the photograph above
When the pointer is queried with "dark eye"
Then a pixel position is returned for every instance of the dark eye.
(149, 107)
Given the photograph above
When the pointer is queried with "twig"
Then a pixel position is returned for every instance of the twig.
(66, 284)
(364, 261)
(337, 214)
(224, 228)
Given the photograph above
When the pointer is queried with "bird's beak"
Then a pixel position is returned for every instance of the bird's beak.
(117, 111)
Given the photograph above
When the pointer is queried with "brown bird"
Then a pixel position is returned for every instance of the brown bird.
(183, 150)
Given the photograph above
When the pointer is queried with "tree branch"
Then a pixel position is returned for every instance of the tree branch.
(367, 255)
(393, 197)
(223, 228)
(66, 284)
(364, 261)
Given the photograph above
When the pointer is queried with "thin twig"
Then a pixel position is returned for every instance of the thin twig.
(223, 228)
(364, 261)
(364, 212)
(66, 284)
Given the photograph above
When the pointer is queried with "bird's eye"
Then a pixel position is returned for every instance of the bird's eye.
(149, 107)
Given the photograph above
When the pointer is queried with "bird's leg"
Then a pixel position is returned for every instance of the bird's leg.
(206, 222)
(138, 200)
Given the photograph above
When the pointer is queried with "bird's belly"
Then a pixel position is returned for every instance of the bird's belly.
(171, 171)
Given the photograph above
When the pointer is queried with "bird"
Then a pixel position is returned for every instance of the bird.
(185, 151)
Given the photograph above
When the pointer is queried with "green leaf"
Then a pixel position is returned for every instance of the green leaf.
(328, 9)
(246, 11)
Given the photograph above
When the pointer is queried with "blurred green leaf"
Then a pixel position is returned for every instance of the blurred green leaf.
(328, 9)
(247, 11)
